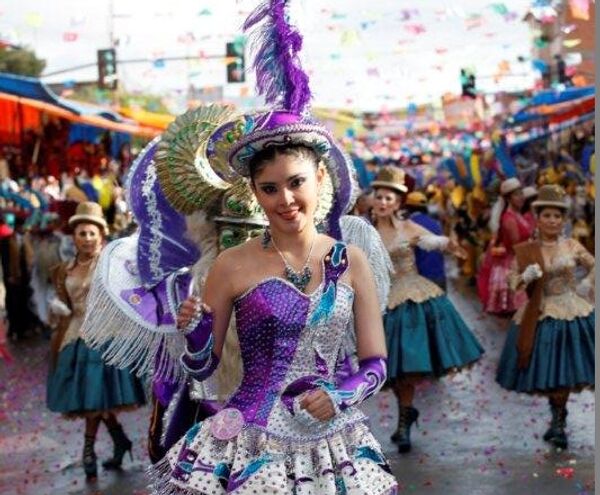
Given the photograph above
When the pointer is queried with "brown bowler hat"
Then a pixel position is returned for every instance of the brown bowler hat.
(551, 195)
(89, 212)
(391, 177)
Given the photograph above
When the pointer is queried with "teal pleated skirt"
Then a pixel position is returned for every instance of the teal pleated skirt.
(81, 383)
(562, 357)
(428, 338)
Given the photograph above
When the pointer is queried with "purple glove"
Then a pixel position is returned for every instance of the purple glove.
(358, 387)
(199, 360)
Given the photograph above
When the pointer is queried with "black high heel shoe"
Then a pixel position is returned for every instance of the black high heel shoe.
(406, 417)
(555, 434)
(89, 459)
(122, 446)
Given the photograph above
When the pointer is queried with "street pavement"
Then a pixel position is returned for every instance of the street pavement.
(473, 438)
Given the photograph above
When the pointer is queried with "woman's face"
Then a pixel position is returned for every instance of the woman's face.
(88, 238)
(550, 222)
(386, 202)
(516, 199)
(287, 188)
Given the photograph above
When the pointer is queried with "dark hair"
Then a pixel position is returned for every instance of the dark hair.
(527, 204)
(269, 153)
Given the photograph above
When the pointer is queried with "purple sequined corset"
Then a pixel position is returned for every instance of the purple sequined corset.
(269, 320)
(287, 336)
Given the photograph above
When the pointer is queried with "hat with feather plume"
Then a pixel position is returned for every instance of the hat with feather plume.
(205, 151)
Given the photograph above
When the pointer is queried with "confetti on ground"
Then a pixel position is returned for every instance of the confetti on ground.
(471, 434)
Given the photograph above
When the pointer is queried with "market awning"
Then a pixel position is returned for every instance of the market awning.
(11, 120)
(554, 96)
(31, 88)
(36, 96)
(556, 106)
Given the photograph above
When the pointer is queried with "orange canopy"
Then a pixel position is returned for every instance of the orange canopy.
(18, 113)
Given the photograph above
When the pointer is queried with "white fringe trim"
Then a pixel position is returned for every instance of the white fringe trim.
(125, 343)
(168, 414)
(358, 232)
(160, 480)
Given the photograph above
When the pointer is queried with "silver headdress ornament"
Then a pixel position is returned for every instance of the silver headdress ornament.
(186, 176)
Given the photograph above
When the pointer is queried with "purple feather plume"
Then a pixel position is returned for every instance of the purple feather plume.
(279, 75)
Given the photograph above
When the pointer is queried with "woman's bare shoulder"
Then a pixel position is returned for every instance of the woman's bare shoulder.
(356, 256)
(238, 255)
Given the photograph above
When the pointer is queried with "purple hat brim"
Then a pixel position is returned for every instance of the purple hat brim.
(310, 135)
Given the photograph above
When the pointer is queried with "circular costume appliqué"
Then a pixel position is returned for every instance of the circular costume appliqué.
(227, 423)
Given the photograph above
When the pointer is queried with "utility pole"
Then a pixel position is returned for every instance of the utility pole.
(111, 41)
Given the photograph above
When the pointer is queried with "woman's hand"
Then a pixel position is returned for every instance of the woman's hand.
(414, 241)
(457, 250)
(190, 308)
(531, 273)
(59, 308)
(318, 404)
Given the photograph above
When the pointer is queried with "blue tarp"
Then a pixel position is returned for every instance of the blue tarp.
(89, 134)
(552, 96)
(88, 109)
(549, 97)
(29, 87)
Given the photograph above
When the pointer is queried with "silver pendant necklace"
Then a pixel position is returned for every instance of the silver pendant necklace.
(299, 279)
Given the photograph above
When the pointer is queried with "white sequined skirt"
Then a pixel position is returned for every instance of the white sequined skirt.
(347, 461)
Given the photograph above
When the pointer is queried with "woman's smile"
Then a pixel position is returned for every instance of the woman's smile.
(290, 215)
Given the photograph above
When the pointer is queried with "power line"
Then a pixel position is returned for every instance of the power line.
(138, 61)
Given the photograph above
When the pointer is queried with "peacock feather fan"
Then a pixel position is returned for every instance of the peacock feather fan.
(276, 44)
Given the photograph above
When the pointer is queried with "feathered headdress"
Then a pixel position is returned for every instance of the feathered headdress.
(279, 74)
(206, 150)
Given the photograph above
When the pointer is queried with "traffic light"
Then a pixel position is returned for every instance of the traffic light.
(467, 83)
(561, 71)
(107, 69)
(236, 71)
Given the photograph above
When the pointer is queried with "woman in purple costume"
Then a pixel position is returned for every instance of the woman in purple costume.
(292, 426)
(287, 428)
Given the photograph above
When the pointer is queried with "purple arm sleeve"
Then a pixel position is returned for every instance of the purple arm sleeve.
(358, 387)
(199, 360)
(344, 369)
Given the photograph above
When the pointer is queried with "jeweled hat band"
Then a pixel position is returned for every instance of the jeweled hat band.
(551, 195)
(277, 129)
